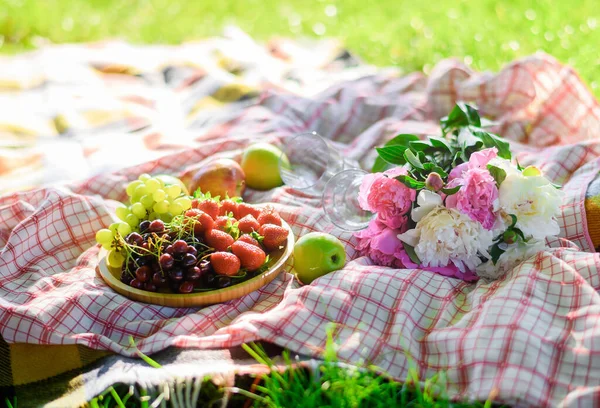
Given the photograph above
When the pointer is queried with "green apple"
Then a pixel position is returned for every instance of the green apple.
(260, 162)
(316, 254)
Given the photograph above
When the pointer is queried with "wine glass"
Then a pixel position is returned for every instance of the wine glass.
(340, 201)
(308, 162)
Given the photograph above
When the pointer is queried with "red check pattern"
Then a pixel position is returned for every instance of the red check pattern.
(531, 338)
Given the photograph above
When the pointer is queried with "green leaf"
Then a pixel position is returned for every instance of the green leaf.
(450, 191)
(380, 165)
(496, 252)
(513, 221)
(412, 159)
(519, 167)
(410, 182)
(419, 145)
(402, 140)
(440, 143)
(490, 140)
(460, 116)
(410, 251)
(392, 154)
(497, 173)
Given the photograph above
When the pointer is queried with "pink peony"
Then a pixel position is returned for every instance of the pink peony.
(391, 200)
(478, 159)
(478, 196)
(380, 243)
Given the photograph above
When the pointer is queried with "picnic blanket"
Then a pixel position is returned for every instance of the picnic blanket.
(531, 338)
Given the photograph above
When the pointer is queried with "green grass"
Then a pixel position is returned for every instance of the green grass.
(412, 35)
(335, 386)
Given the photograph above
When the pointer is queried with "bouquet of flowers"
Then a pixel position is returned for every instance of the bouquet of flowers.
(456, 204)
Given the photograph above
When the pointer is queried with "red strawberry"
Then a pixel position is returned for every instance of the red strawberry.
(249, 240)
(228, 206)
(208, 206)
(244, 209)
(269, 216)
(224, 223)
(274, 236)
(202, 221)
(225, 263)
(248, 224)
(251, 257)
(217, 239)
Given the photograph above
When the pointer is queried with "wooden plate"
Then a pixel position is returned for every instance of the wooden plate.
(277, 259)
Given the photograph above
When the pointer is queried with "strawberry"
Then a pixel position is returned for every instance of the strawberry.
(251, 257)
(248, 224)
(244, 209)
(274, 236)
(225, 223)
(269, 216)
(217, 239)
(225, 263)
(210, 207)
(202, 221)
(249, 240)
(228, 206)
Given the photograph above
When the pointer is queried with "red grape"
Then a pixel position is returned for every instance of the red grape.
(144, 225)
(150, 287)
(188, 260)
(143, 273)
(136, 284)
(180, 246)
(166, 261)
(176, 274)
(134, 239)
(192, 250)
(156, 226)
(186, 287)
(223, 281)
(169, 250)
(193, 274)
(158, 279)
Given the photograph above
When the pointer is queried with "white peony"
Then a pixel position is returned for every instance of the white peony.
(514, 255)
(445, 235)
(535, 202)
(427, 201)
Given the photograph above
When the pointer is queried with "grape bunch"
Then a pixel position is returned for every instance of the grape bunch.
(151, 198)
(160, 260)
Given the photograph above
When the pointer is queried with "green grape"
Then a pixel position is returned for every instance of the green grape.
(113, 227)
(153, 216)
(132, 186)
(107, 246)
(104, 236)
(184, 202)
(139, 210)
(140, 190)
(173, 190)
(124, 229)
(122, 212)
(152, 185)
(132, 220)
(115, 259)
(144, 177)
(136, 198)
(159, 195)
(175, 208)
(147, 201)
(166, 217)
(161, 207)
